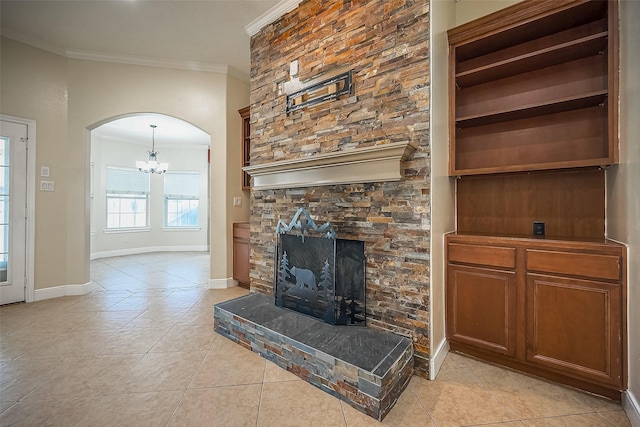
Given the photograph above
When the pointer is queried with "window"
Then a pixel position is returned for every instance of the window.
(4, 207)
(127, 198)
(181, 195)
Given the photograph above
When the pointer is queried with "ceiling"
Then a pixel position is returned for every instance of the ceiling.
(205, 34)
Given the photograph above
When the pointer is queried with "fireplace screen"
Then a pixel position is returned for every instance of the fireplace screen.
(323, 277)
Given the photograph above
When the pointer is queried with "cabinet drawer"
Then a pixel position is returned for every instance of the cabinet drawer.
(575, 264)
(495, 256)
(241, 231)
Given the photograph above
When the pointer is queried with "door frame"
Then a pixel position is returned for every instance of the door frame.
(29, 294)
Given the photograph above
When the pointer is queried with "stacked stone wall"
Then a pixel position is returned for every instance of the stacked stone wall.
(386, 44)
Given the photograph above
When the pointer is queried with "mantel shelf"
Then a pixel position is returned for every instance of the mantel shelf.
(362, 165)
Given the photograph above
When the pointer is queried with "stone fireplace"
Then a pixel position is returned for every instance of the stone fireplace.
(360, 162)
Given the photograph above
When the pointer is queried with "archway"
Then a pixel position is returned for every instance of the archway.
(133, 212)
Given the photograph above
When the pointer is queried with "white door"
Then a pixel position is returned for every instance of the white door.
(13, 203)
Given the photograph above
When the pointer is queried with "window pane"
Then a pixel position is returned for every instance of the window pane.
(182, 212)
(124, 211)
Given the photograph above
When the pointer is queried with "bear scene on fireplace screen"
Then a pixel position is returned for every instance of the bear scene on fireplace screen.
(321, 277)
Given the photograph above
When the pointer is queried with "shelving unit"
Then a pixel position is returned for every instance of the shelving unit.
(533, 125)
(538, 94)
(245, 115)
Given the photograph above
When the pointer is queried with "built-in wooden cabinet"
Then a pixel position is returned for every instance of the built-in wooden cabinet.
(241, 253)
(245, 115)
(533, 126)
(549, 307)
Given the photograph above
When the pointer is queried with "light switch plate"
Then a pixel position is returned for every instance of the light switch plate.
(237, 201)
(47, 186)
(44, 171)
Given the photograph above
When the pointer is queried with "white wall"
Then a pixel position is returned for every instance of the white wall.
(108, 152)
(442, 15)
(623, 194)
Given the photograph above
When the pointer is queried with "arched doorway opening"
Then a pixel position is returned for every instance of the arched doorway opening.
(133, 212)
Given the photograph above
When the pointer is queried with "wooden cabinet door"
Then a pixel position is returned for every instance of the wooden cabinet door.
(574, 326)
(481, 308)
(241, 261)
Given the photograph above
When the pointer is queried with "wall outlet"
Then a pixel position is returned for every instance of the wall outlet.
(538, 228)
(237, 201)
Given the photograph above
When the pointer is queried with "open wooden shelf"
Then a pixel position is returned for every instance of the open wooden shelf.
(531, 60)
(532, 110)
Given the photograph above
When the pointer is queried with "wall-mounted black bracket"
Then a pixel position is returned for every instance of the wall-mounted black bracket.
(318, 92)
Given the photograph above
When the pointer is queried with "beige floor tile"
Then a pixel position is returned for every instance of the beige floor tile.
(95, 303)
(507, 424)
(185, 297)
(458, 360)
(274, 373)
(596, 403)
(136, 303)
(135, 410)
(13, 345)
(108, 320)
(198, 315)
(228, 364)
(186, 338)
(297, 403)
(407, 412)
(70, 344)
(455, 399)
(583, 420)
(20, 377)
(130, 341)
(162, 372)
(528, 397)
(235, 406)
(53, 412)
(157, 316)
(215, 296)
(86, 377)
(616, 418)
(55, 321)
(6, 405)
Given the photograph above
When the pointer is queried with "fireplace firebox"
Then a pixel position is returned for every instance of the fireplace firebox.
(319, 275)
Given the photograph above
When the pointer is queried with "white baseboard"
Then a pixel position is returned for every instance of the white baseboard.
(631, 407)
(222, 283)
(135, 251)
(436, 361)
(62, 291)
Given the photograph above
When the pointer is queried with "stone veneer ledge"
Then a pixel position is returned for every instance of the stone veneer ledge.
(370, 164)
(365, 367)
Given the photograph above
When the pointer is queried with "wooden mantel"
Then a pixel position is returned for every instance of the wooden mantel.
(361, 165)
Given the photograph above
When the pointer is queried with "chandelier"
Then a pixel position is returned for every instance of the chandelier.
(152, 165)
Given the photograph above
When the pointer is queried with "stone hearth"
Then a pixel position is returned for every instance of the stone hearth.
(367, 368)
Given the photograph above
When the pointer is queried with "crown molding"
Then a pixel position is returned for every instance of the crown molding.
(285, 6)
(146, 61)
(128, 59)
(33, 41)
(361, 165)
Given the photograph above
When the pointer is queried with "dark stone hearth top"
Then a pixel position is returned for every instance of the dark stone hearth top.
(370, 349)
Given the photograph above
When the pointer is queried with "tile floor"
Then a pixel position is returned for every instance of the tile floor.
(140, 350)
